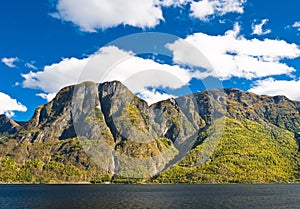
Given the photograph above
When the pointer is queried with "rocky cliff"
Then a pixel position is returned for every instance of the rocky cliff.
(8, 126)
(103, 132)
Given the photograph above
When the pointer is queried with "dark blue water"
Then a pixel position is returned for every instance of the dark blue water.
(149, 196)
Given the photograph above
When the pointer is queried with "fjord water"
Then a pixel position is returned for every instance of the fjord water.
(148, 196)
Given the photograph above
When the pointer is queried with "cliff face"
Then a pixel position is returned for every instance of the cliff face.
(8, 126)
(103, 132)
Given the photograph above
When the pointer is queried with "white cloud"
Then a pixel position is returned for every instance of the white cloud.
(297, 25)
(258, 29)
(31, 66)
(274, 87)
(137, 73)
(47, 97)
(172, 2)
(91, 15)
(55, 76)
(10, 62)
(110, 63)
(8, 105)
(232, 55)
(204, 9)
(152, 96)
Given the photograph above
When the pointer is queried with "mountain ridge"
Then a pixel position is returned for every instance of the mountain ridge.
(104, 132)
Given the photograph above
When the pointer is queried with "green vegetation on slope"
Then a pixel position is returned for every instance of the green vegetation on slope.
(239, 152)
(247, 152)
(53, 162)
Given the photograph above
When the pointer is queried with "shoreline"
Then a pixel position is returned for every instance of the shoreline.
(112, 183)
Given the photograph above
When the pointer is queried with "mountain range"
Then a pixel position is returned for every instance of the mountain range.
(104, 133)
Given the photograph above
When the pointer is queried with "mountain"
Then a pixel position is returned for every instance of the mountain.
(8, 126)
(103, 132)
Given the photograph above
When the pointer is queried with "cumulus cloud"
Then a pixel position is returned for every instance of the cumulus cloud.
(258, 29)
(152, 96)
(137, 73)
(232, 55)
(8, 105)
(10, 62)
(47, 97)
(91, 15)
(110, 63)
(297, 25)
(204, 9)
(55, 76)
(274, 87)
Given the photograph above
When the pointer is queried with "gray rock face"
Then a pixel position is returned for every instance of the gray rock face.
(8, 126)
(126, 137)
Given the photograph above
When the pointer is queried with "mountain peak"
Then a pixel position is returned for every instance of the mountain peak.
(112, 86)
(7, 125)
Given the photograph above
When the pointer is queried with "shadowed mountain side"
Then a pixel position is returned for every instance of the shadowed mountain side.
(8, 126)
(103, 132)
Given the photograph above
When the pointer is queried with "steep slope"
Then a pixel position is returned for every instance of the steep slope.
(90, 127)
(248, 152)
(258, 142)
(8, 126)
(102, 132)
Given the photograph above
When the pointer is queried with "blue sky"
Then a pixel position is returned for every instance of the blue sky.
(45, 45)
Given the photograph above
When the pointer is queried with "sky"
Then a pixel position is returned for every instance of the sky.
(157, 48)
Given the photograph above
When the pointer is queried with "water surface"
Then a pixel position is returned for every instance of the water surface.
(149, 196)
